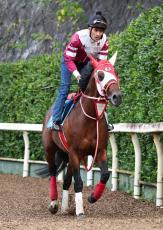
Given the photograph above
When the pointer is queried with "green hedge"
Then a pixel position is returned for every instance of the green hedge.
(28, 89)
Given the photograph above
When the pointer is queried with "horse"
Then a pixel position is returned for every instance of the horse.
(85, 133)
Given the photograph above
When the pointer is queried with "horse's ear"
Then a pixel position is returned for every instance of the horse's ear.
(93, 60)
(113, 58)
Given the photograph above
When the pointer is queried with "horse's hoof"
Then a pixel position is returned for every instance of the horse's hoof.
(91, 199)
(64, 212)
(53, 207)
(80, 216)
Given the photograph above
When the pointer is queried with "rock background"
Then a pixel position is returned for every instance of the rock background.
(28, 28)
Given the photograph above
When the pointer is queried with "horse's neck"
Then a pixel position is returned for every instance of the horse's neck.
(88, 104)
(92, 89)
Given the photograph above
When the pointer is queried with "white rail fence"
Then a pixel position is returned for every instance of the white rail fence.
(155, 129)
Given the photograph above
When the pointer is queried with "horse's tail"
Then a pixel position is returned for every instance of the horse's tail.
(61, 160)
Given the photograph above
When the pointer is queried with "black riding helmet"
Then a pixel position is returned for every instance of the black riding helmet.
(98, 21)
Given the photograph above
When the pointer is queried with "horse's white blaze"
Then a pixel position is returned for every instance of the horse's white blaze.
(65, 197)
(79, 203)
(101, 84)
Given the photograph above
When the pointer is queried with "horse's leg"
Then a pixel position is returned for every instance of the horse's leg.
(78, 183)
(99, 189)
(78, 187)
(66, 186)
(50, 157)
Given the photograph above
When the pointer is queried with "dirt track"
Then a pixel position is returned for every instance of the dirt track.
(24, 201)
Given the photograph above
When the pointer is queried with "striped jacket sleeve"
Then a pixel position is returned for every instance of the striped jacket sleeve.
(70, 54)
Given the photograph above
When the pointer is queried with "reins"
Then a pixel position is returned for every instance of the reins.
(92, 98)
(97, 118)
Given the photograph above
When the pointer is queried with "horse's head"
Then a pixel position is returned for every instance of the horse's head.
(107, 80)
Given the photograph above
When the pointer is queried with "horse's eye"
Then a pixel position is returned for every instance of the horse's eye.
(100, 75)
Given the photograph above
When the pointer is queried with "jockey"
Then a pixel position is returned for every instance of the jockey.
(76, 62)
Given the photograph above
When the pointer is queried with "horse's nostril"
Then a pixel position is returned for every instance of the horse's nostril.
(116, 99)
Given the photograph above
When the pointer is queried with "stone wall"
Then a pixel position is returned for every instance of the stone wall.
(27, 28)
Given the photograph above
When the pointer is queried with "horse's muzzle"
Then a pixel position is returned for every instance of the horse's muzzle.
(116, 98)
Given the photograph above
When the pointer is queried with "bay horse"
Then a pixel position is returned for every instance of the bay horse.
(85, 132)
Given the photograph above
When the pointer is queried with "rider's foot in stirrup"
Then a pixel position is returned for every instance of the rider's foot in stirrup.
(110, 127)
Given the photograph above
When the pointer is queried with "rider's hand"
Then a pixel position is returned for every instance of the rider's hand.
(78, 78)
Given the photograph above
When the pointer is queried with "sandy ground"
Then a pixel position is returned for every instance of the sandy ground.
(24, 202)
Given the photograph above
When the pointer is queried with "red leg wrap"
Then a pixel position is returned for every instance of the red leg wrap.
(99, 189)
(53, 188)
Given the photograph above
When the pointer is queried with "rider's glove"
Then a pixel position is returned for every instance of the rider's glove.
(77, 75)
(78, 78)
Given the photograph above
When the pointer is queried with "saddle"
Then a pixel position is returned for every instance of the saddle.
(70, 104)
(68, 107)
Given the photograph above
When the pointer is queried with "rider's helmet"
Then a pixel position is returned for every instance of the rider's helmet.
(98, 21)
